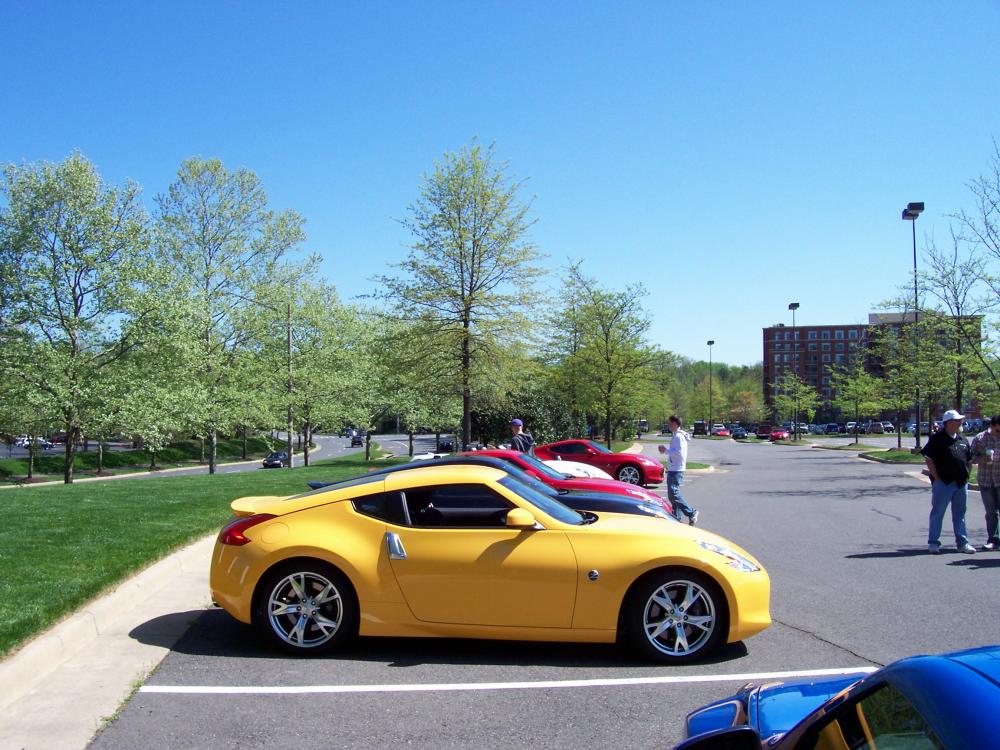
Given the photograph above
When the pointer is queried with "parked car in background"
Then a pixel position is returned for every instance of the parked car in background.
(832, 428)
(738, 433)
(946, 701)
(764, 431)
(275, 460)
(779, 433)
(577, 469)
(560, 480)
(888, 427)
(633, 468)
(357, 438)
(720, 430)
(699, 427)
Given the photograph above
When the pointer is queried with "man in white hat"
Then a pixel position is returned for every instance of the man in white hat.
(948, 458)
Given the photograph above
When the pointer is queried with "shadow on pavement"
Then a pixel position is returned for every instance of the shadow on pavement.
(902, 552)
(977, 563)
(212, 632)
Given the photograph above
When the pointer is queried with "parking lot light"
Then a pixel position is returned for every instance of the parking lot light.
(910, 214)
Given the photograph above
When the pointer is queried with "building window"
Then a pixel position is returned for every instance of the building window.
(826, 392)
(852, 334)
(826, 346)
(826, 381)
(777, 357)
(812, 335)
(840, 346)
(840, 359)
(826, 336)
(786, 358)
(838, 334)
(788, 335)
(826, 357)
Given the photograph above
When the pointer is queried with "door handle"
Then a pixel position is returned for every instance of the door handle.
(395, 546)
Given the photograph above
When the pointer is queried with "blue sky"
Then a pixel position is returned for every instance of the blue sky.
(732, 157)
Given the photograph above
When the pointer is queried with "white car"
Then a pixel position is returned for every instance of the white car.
(577, 469)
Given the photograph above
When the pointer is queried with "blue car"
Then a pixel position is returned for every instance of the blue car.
(921, 702)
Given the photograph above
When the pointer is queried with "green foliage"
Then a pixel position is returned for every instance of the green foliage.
(792, 394)
(71, 250)
(467, 284)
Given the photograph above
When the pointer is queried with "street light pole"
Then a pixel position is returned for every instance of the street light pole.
(288, 321)
(793, 306)
(710, 344)
(910, 214)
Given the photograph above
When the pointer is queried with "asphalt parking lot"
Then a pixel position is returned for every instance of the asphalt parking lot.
(852, 587)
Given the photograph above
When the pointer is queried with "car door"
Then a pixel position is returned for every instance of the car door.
(456, 561)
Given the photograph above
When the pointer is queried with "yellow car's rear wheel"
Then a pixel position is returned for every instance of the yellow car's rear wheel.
(676, 615)
(306, 606)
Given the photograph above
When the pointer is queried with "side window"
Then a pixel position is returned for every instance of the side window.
(457, 505)
(387, 506)
(570, 449)
(882, 719)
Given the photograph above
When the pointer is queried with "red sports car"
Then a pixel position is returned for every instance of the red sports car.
(633, 468)
(553, 478)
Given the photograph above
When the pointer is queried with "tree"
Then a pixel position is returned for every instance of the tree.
(614, 356)
(221, 244)
(856, 391)
(468, 279)
(71, 250)
(795, 396)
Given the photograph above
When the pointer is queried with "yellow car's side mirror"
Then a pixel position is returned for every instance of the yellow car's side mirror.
(519, 518)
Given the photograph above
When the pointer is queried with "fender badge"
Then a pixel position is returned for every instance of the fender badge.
(593, 575)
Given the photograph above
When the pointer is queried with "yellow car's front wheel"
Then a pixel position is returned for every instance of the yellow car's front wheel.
(675, 615)
(305, 606)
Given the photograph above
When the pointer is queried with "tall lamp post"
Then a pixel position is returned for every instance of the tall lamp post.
(793, 306)
(710, 423)
(910, 214)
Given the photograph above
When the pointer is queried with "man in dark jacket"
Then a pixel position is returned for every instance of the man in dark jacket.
(521, 441)
(948, 458)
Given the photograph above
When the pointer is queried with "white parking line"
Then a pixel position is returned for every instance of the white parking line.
(472, 686)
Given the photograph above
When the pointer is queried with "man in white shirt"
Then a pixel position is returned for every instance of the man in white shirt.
(676, 463)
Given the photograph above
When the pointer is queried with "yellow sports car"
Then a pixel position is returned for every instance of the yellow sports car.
(472, 552)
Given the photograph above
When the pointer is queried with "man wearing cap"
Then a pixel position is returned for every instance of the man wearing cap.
(948, 458)
(521, 441)
(985, 449)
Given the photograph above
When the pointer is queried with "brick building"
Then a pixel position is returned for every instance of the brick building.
(810, 352)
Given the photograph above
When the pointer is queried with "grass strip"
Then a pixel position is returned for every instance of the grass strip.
(63, 545)
(51, 464)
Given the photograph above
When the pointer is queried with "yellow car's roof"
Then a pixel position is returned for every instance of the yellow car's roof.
(366, 485)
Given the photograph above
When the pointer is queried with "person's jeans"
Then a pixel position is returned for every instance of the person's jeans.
(991, 504)
(941, 495)
(674, 479)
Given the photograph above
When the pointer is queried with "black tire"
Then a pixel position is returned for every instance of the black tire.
(305, 607)
(631, 474)
(657, 624)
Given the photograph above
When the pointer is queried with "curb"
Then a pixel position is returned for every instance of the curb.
(82, 668)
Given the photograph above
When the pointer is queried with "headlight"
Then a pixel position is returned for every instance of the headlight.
(735, 559)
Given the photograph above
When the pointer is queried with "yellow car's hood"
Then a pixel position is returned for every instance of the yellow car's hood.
(646, 526)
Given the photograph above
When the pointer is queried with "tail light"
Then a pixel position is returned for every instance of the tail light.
(232, 533)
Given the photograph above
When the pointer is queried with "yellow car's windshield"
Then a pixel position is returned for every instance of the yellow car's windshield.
(544, 503)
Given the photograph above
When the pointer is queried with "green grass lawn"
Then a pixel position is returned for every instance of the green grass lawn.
(853, 447)
(180, 453)
(61, 546)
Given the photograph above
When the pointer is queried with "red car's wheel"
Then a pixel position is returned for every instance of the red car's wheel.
(629, 473)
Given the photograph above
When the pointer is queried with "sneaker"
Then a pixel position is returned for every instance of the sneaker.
(934, 549)
(693, 518)
(967, 549)
(990, 546)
